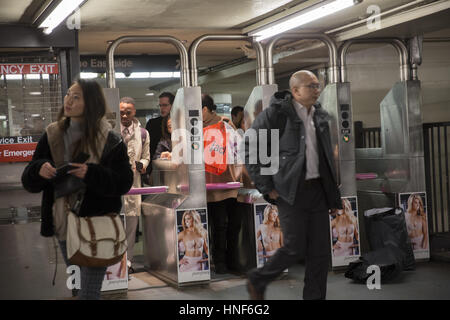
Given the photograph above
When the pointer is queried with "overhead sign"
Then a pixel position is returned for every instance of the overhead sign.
(29, 68)
(17, 149)
(129, 63)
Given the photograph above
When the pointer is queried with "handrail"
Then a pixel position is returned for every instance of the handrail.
(332, 52)
(399, 46)
(184, 69)
(261, 66)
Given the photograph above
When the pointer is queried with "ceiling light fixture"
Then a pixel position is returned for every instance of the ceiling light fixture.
(58, 14)
(88, 75)
(301, 18)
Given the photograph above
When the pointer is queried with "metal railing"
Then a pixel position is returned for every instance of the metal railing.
(436, 154)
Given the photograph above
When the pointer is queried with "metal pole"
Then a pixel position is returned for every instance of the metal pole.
(332, 52)
(399, 46)
(260, 78)
(110, 73)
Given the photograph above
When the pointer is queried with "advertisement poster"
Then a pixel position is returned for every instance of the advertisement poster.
(415, 207)
(193, 245)
(268, 234)
(344, 233)
(116, 277)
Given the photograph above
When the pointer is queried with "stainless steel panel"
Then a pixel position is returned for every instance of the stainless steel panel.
(415, 121)
(336, 100)
(160, 242)
(399, 164)
(348, 181)
(393, 108)
(258, 101)
(368, 153)
(112, 98)
(185, 176)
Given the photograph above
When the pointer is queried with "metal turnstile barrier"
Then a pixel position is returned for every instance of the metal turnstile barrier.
(398, 166)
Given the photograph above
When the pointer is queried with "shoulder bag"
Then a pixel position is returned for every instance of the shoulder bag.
(98, 241)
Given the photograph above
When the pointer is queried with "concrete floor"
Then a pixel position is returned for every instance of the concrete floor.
(27, 264)
(430, 281)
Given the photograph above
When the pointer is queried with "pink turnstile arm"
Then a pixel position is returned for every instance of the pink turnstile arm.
(215, 186)
(222, 186)
(148, 190)
(366, 176)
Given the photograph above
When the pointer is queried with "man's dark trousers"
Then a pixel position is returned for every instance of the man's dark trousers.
(306, 234)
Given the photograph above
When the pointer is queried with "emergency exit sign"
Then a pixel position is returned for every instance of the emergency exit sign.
(17, 149)
(29, 68)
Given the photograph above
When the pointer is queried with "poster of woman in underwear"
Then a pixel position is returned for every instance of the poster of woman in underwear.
(415, 207)
(344, 233)
(116, 276)
(193, 248)
(268, 232)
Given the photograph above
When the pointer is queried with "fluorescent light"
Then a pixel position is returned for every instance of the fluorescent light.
(161, 74)
(146, 75)
(36, 76)
(61, 12)
(139, 75)
(34, 93)
(36, 115)
(302, 18)
(88, 75)
(13, 77)
(150, 94)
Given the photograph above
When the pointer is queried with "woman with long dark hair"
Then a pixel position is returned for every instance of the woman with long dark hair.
(99, 181)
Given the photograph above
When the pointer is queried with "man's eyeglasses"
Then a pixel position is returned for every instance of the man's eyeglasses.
(164, 105)
(313, 86)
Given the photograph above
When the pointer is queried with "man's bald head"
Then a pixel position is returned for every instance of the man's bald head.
(300, 77)
(305, 87)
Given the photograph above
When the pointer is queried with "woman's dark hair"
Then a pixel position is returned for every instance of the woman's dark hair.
(208, 102)
(94, 110)
(165, 130)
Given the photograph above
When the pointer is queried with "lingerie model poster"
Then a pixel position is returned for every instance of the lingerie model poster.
(268, 234)
(414, 206)
(116, 277)
(344, 233)
(193, 245)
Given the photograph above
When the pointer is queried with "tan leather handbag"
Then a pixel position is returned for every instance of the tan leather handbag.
(95, 241)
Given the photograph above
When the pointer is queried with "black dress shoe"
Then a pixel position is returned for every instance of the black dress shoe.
(254, 293)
